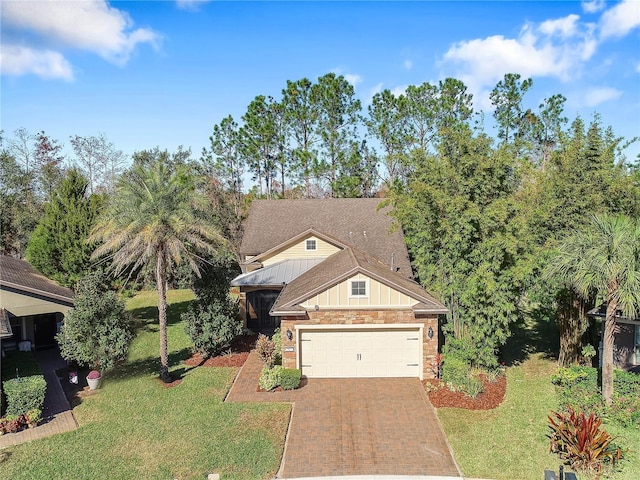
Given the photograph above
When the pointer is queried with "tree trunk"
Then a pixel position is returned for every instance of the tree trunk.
(161, 281)
(607, 351)
(572, 323)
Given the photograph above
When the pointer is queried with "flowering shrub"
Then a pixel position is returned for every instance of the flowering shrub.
(93, 375)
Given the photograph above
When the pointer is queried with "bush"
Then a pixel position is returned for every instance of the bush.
(578, 439)
(456, 373)
(24, 394)
(33, 417)
(578, 389)
(290, 378)
(277, 341)
(472, 386)
(212, 326)
(97, 332)
(270, 377)
(266, 349)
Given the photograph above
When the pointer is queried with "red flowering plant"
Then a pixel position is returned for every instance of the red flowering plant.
(93, 375)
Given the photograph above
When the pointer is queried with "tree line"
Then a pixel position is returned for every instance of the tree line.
(482, 213)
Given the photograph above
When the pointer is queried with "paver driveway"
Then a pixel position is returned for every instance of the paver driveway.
(366, 426)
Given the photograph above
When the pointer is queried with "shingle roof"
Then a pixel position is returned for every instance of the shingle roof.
(353, 221)
(5, 326)
(20, 275)
(342, 265)
(276, 274)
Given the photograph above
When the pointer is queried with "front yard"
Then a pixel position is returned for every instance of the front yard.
(511, 441)
(134, 427)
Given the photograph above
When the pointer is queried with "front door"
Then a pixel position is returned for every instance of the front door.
(44, 330)
(259, 304)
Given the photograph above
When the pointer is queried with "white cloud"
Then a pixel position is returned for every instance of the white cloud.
(563, 27)
(47, 64)
(595, 96)
(554, 48)
(192, 5)
(376, 89)
(353, 78)
(593, 6)
(399, 90)
(408, 64)
(90, 25)
(620, 19)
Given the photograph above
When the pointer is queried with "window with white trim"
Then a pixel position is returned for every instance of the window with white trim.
(358, 288)
(311, 244)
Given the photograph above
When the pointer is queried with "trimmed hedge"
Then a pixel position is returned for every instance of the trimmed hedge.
(290, 378)
(25, 394)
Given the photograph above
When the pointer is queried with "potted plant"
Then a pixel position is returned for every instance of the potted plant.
(93, 379)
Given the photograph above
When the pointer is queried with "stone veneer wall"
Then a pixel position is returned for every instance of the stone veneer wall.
(363, 317)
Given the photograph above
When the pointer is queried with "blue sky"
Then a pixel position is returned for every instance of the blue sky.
(161, 73)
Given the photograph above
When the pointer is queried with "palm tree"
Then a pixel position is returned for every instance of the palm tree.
(604, 258)
(155, 217)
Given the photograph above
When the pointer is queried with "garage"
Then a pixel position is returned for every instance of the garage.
(361, 352)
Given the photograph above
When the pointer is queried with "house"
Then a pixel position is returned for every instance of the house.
(335, 276)
(626, 340)
(34, 306)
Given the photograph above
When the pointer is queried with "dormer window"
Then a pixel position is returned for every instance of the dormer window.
(311, 245)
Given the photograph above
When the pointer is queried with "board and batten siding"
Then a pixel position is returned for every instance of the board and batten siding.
(298, 250)
(377, 295)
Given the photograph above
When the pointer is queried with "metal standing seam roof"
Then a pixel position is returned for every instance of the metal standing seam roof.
(277, 274)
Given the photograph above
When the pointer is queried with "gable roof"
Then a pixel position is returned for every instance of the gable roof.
(277, 274)
(5, 326)
(342, 265)
(294, 240)
(19, 275)
(351, 221)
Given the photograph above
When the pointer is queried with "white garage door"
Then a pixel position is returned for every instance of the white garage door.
(360, 353)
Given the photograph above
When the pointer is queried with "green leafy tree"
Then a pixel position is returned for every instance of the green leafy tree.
(97, 332)
(49, 161)
(338, 116)
(224, 158)
(301, 117)
(157, 217)
(507, 97)
(213, 320)
(604, 258)
(387, 123)
(58, 247)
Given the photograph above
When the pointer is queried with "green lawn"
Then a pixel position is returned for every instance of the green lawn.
(510, 441)
(136, 428)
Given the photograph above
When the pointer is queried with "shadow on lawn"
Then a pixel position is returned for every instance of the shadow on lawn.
(146, 318)
(150, 366)
(537, 333)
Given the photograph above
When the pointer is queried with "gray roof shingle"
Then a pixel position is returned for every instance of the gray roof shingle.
(352, 221)
(20, 275)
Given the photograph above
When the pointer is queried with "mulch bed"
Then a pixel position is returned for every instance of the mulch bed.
(491, 397)
(235, 357)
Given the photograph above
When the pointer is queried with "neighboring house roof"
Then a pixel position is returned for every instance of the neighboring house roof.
(277, 274)
(345, 264)
(352, 221)
(5, 326)
(19, 275)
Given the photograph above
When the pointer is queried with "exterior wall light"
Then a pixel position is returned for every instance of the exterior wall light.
(430, 333)
(289, 335)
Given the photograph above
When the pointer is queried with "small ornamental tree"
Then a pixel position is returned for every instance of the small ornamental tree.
(213, 320)
(98, 331)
